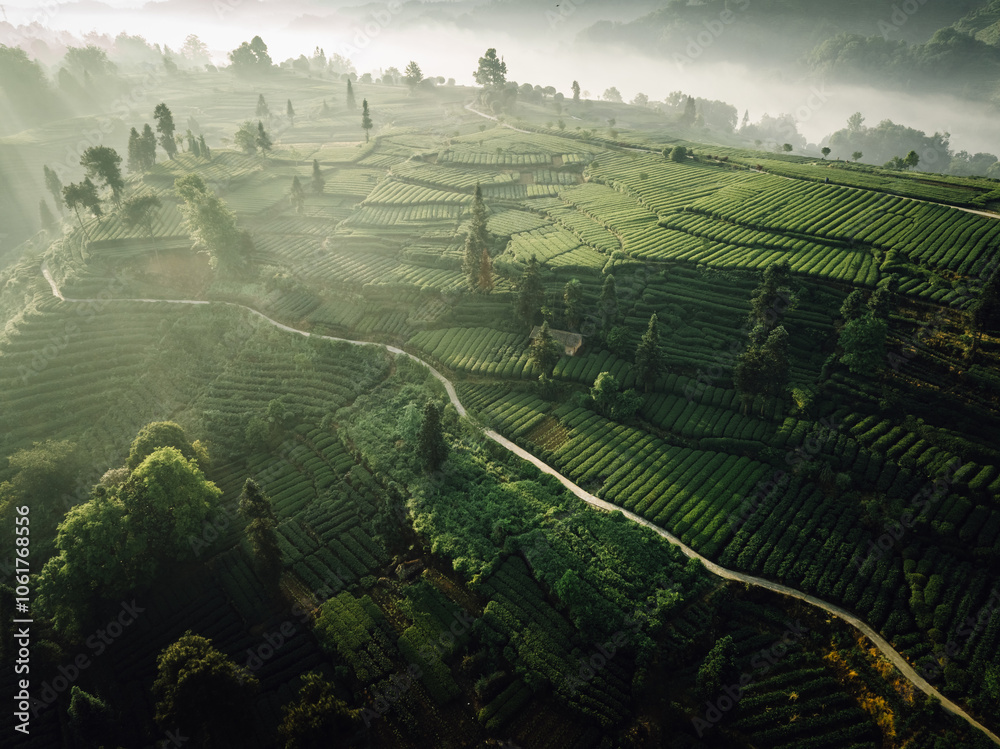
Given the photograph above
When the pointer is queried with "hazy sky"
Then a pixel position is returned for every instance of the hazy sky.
(544, 54)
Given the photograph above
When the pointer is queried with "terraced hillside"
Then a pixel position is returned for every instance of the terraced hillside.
(875, 490)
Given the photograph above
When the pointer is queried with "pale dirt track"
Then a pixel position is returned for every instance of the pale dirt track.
(877, 640)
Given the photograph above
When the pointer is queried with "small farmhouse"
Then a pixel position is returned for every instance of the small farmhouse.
(570, 342)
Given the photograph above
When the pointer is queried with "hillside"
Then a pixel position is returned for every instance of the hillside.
(873, 486)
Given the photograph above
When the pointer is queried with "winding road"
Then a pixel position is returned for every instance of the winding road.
(877, 640)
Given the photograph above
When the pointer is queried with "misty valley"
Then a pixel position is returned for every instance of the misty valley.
(366, 395)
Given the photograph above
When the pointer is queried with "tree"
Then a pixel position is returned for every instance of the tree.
(880, 302)
(678, 154)
(136, 153)
(166, 500)
(212, 225)
(787, 147)
(612, 94)
(610, 401)
(576, 91)
(825, 150)
(148, 141)
(985, 310)
(195, 50)
(863, 344)
(853, 306)
(690, 112)
(261, 531)
(649, 356)
(530, 293)
(912, 160)
(477, 240)
(165, 127)
(202, 693)
(155, 435)
(492, 71)
(290, 112)
(573, 303)
(608, 302)
(90, 718)
(262, 139)
(775, 356)
(250, 59)
(79, 195)
(366, 120)
(855, 122)
(104, 163)
(351, 103)
(857, 155)
(484, 280)
(545, 351)
(246, 138)
(204, 148)
(54, 186)
(45, 216)
(318, 720)
(262, 111)
(318, 183)
(718, 670)
(640, 100)
(140, 211)
(765, 304)
(298, 195)
(431, 447)
(412, 75)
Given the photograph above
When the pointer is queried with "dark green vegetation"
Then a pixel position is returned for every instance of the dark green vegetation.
(440, 588)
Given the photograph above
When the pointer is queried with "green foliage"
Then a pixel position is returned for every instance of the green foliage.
(366, 120)
(649, 356)
(101, 162)
(611, 401)
(545, 351)
(608, 302)
(678, 154)
(246, 138)
(262, 140)
(90, 718)
(83, 195)
(140, 211)
(719, 668)
(297, 195)
(318, 183)
(863, 343)
(492, 71)
(201, 692)
(212, 225)
(530, 294)
(318, 719)
(165, 127)
(155, 435)
(351, 103)
(251, 58)
(573, 303)
(431, 446)
(853, 306)
(477, 243)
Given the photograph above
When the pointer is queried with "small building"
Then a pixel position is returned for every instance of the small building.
(570, 342)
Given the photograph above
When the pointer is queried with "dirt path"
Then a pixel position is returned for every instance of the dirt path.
(877, 640)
